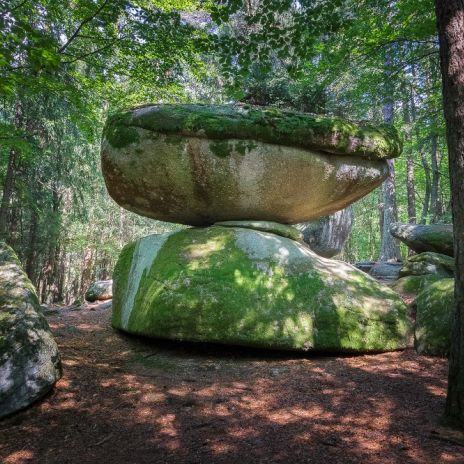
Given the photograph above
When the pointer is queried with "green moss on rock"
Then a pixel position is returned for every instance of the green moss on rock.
(271, 125)
(246, 287)
(119, 132)
(414, 283)
(434, 319)
(428, 263)
(29, 357)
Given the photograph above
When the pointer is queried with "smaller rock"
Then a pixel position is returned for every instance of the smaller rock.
(100, 290)
(414, 283)
(435, 314)
(364, 266)
(386, 270)
(266, 226)
(421, 237)
(428, 263)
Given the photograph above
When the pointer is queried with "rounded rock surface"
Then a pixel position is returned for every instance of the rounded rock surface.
(29, 358)
(192, 165)
(434, 318)
(246, 287)
(99, 291)
(421, 237)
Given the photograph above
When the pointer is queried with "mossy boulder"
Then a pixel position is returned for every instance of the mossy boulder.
(246, 287)
(327, 235)
(198, 165)
(428, 263)
(420, 237)
(413, 284)
(99, 291)
(29, 358)
(434, 319)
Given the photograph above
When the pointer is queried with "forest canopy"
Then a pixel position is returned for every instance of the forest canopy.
(64, 70)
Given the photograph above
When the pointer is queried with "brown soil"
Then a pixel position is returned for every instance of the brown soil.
(126, 400)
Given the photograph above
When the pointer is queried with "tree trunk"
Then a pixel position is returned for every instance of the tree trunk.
(428, 188)
(410, 188)
(434, 194)
(7, 194)
(31, 249)
(389, 249)
(450, 15)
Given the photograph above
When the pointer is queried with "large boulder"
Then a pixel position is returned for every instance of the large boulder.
(434, 319)
(99, 291)
(428, 263)
(421, 237)
(240, 286)
(197, 164)
(327, 235)
(29, 357)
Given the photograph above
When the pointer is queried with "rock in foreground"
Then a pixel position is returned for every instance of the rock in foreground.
(198, 165)
(246, 287)
(435, 315)
(420, 237)
(100, 290)
(29, 359)
(327, 235)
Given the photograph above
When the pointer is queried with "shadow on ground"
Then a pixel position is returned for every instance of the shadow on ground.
(124, 400)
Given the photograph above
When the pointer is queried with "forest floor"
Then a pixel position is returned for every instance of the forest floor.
(126, 400)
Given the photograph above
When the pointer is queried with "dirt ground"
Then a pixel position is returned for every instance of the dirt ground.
(126, 400)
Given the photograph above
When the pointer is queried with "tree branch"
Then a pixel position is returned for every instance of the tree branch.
(81, 25)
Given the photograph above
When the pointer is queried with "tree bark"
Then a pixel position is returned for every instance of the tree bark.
(450, 15)
(410, 187)
(428, 188)
(389, 249)
(7, 194)
(434, 192)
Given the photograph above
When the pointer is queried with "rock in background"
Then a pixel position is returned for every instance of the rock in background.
(327, 235)
(99, 291)
(386, 271)
(419, 237)
(428, 263)
(29, 358)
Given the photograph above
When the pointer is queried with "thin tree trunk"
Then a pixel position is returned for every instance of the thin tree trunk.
(428, 188)
(410, 187)
(31, 249)
(434, 197)
(450, 15)
(7, 194)
(389, 249)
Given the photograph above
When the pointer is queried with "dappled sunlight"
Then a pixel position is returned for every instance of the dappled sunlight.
(188, 403)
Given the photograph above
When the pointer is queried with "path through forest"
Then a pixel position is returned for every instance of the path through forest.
(123, 400)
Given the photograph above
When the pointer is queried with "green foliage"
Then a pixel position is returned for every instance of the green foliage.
(63, 67)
